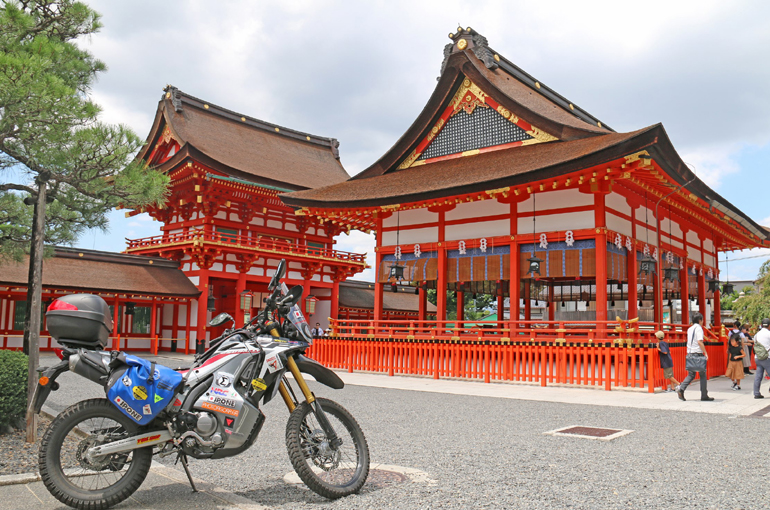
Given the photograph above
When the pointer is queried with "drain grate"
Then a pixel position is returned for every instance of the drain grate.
(381, 478)
(600, 433)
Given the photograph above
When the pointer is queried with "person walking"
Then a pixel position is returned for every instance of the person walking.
(746, 342)
(761, 349)
(317, 331)
(697, 359)
(735, 364)
(666, 363)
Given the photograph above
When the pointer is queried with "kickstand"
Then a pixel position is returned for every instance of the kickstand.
(183, 458)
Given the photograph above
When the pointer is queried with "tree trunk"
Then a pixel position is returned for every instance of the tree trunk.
(34, 304)
(30, 277)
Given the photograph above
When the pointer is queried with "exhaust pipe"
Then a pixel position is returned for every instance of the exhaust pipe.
(90, 365)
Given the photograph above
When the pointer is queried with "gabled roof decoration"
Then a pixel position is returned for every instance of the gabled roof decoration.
(241, 146)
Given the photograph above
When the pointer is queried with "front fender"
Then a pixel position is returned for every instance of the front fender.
(319, 372)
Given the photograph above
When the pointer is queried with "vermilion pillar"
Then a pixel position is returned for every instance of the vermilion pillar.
(515, 285)
(422, 313)
(684, 286)
(240, 287)
(441, 284)
(601, 260)
(203, 287)
(378, 287)
(335, 306)
(702, 295)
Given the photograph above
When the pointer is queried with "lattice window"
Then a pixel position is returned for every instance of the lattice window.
(483, 128)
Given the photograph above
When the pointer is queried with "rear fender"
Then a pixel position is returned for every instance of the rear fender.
(48, 376)
(319, 372)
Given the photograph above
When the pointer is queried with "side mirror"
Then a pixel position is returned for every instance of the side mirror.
(279, 272)
(220, 319)
(293, 297)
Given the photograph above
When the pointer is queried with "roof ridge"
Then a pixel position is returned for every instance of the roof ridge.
(177, 97)
(493, 60)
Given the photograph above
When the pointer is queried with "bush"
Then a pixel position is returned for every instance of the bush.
(13, 388)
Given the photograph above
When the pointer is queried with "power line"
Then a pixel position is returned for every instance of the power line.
(745, 258)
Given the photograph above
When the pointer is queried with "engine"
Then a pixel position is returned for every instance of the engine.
(200, 433)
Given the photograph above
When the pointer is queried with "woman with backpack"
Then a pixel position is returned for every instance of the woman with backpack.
(761, 348)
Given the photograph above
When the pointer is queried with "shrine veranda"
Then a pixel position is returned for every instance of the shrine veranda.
(594, 239)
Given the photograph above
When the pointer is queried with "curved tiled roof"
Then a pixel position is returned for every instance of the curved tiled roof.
(246, 147)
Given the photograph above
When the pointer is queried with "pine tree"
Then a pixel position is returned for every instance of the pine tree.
(55, 154)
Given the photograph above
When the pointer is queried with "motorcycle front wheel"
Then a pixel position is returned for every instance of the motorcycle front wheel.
(333, 471)
(91, 483)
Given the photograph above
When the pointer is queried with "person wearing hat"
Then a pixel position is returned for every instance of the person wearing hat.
(696, 348)
(666, 363)
(746, 343)
(763, 365)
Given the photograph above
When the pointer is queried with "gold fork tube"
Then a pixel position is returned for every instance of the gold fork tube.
(286, 397)
(294, 369)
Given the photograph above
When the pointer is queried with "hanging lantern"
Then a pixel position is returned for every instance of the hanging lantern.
(211, 304)
(647, 265)
(130, 307)
(727, 288)
(713, 285)
(534, 265)
(671, 274)
(310, 302)
(396, 272)
(246, 299)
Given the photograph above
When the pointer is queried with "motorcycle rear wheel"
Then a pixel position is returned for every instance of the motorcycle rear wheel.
(332, 473)
(91, 484)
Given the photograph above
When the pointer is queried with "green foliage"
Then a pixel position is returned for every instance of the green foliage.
(13, 387)
(754, 307)
(49, 129)
(473, 308)
(726, 300)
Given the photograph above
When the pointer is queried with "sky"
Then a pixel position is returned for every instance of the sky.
(361, 72)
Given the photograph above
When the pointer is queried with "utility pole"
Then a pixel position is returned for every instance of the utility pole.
(34, 293)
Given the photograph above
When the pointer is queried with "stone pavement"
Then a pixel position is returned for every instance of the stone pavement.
(164, 489)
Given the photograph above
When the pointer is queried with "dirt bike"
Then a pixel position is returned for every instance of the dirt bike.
(97, 452)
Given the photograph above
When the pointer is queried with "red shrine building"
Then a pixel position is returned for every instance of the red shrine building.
(589, 239)
(503, 186)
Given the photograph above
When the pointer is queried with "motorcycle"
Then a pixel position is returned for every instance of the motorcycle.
(97, 452)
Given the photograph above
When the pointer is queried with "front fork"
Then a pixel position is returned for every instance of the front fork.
(331, 435)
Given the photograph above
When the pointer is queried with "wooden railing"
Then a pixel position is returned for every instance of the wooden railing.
(257, 243)
(601, 354)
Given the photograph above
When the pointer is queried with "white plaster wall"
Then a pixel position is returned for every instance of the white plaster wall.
(708, 246)
(232, 258)
(650, 216)
(327, 279)
(221, 215)
(316, 278)
(257, 221)
(618, 224)
(323, 309)
(194, 266)
(618, 202)
(275, 224)
(417, 235)
(411, 217)
(693, 253)
(645, 235)
(217, 266)
(168, 315)
(664, 238)
(291, 227)
(176, 231)
(194, 279)
(295, 265)
(674, 228)
(477, 230)
(557, 199)
(294, 275)
(256, 271)
(230, 268)
(709, 260)
(693, 238)
(557, 222)
(478, 209)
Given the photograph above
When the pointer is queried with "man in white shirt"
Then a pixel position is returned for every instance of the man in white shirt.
(317, 331)
(762, 337)
(696, 348)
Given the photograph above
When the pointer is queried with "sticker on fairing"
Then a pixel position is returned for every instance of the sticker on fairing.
(224, 380)
(258, 384)
(158, 398)
(220, 391)
(126, 380)
(273, 364)
(147, 409)
(222, 401)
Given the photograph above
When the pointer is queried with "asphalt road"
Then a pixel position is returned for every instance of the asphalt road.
(492, 453)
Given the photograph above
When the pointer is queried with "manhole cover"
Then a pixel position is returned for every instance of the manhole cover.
(380, 475)
(600, 433)
(381, 478)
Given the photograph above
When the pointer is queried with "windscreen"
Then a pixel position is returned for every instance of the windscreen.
(296, 318)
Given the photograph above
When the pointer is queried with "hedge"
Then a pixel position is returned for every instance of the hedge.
(13, 388)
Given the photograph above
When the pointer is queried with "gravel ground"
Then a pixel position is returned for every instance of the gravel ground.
(16, 455)
(491, 453)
